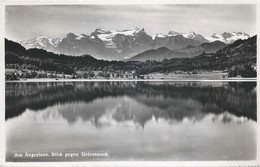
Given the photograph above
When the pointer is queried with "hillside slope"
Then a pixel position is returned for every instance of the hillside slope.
(18, 57)
(189, 51)
(239, 57)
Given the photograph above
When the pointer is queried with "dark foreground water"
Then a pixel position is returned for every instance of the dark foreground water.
(131, 120)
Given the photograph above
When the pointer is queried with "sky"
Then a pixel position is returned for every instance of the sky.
(26, 22)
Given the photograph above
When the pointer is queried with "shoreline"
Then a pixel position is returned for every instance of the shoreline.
(233, 79)
(215, 75)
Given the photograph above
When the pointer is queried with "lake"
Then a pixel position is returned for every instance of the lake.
(132, 120)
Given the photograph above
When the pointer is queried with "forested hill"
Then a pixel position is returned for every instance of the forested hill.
(239, 58)
(39, 59)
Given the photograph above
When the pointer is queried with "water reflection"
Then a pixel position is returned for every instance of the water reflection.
(166, 100)
(151, 120)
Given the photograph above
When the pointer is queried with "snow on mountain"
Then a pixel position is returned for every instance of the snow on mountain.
(159, 35)
(170, 34)
(41, 42)
(195, 36)
(80, 36)
(191, 35)
(107, 36)
(109, 45)
(130, 32)
(225, 37)
(228, 38)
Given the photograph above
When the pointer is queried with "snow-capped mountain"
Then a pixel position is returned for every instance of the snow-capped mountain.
(225, 37)
(228, 38)
(41, 42)
(160, 35)
(110, 45)
(191, 35)
(108, 37)
(79, 44)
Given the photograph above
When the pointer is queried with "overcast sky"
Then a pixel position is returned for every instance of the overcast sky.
(27, 22)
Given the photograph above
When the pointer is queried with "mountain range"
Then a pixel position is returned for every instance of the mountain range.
(125, 44)
(228, 38)
(42, 42)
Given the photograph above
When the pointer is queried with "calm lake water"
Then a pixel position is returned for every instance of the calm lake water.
(132, 120)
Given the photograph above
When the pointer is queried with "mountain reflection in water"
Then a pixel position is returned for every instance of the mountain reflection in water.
(151, 120)
(167, 100)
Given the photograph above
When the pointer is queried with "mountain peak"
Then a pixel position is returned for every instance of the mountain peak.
(69, 35)
(190, 35)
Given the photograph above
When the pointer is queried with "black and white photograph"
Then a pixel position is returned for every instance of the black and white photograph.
(130, 82)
